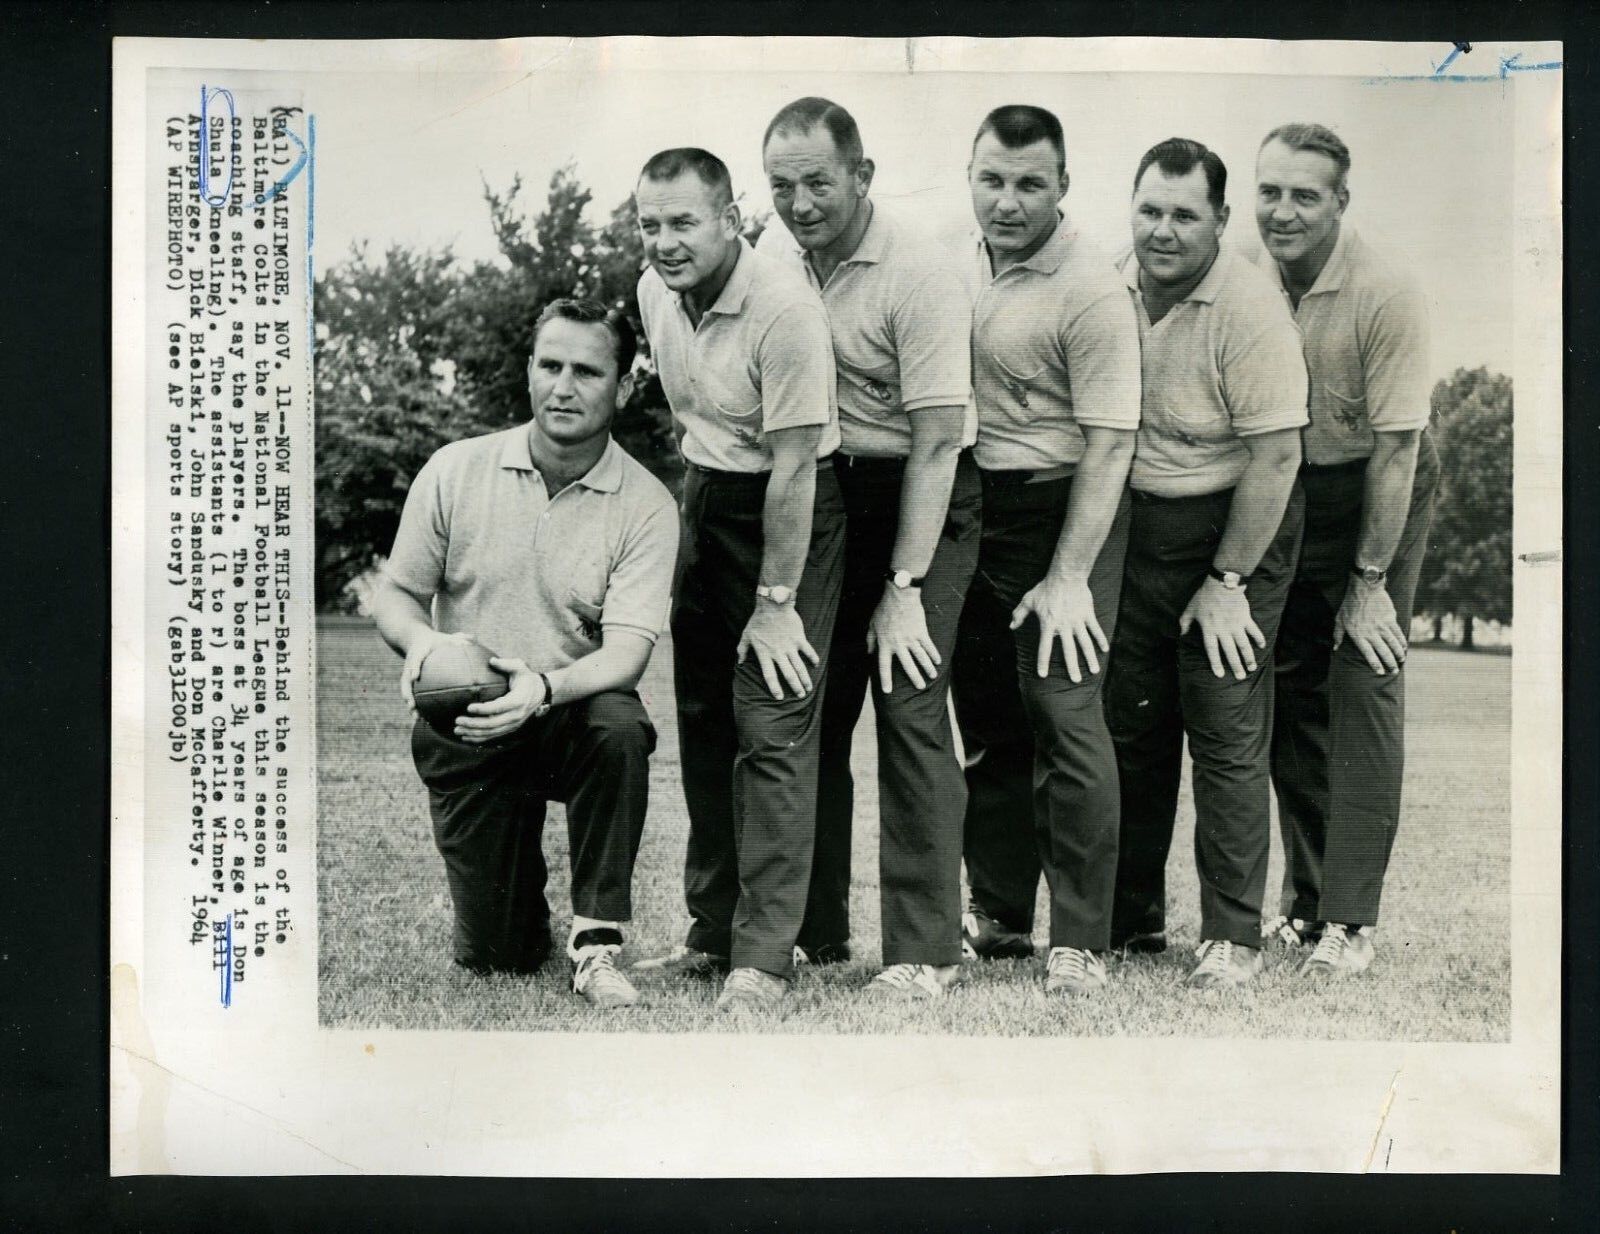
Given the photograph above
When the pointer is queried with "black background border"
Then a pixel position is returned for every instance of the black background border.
(55, 66)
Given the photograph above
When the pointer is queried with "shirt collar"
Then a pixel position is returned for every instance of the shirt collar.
(874, 241)
(1049, 257)
(1204, 292)
(1336, 268)
(730, 301)
(516, 454)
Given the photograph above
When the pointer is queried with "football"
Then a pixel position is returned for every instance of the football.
(455, 675)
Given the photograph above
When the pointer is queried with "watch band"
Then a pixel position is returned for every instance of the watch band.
(549, 695)
(1230, 579)
(904, 580)
(1370, 575)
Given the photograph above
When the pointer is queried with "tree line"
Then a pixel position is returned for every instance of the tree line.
(416, 349)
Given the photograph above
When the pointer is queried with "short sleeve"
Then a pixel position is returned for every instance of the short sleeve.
(416, 563)
(933, 341)
(1394, 364)
(1264, 380)
(1101, 348)
(647, 293)
(795, 361)
(639, 590)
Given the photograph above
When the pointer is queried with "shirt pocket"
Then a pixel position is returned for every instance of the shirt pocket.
(1346, 412)
(878, 386)
(587, 615)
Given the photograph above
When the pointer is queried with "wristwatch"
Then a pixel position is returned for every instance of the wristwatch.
(902, 580)
(777, 594)
(1370, 575)
(1231, 580)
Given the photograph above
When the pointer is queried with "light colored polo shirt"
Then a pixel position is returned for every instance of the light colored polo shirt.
(901, 319)
(1055, 348)
(1365, 329)
(760, 360)
(1224, 364)
(532, 576)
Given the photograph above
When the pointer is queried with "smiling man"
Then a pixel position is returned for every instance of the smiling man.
(1216, 525)
(745, 357)
(1370, 477)
(900, 321)
(1056, 375)
(552, 547)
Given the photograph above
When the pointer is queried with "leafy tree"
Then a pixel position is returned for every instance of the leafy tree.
(1467, 572)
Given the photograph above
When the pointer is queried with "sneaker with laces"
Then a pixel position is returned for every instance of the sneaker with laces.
(684, 962)
(1286, 938)
(1341, 952)
(596, 980)
(1224, 964)
(751, 990)
(1073, 971)
(984, 938)
(913, 982)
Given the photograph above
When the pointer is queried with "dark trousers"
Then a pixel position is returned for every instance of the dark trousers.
(921, 794)
(1043, 792)
(488, 807)
(1160, 688)
(749, 761)
(1338, 739)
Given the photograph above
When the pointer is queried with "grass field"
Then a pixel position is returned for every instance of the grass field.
(1442, 973)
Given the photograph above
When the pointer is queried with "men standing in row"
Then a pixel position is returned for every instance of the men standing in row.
(900, 324)
(1216, 525)
(1056, 373)
(555, 548)
(745, 358)
(1370, 475)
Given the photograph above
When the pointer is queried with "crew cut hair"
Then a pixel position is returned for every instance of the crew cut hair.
(713, 172)
(624, 342)
(1316, 137)
(1178, 156)
(808, 114)
(1018, 124)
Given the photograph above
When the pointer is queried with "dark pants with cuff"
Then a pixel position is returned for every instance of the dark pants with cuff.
(921, 793)
(1338, 740)
(1161, 688)
(1042, 794)
(488, 807)
(749, 760)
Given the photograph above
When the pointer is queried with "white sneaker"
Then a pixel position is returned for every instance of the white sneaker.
(1343, 952)
(911, 982)
(1072, 970)
(596, 979)
(1224, 964)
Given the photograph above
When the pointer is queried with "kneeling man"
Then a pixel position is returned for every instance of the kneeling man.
(552, 547)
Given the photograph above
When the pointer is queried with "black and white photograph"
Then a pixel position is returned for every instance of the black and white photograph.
(854, 556)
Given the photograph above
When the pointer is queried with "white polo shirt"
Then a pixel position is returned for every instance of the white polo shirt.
(760, 360)
(1224, 364)
(1055, 347)
(901, 319)
(531, 576)
(1365, 329)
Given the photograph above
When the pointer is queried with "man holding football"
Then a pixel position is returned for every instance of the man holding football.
(552, 547)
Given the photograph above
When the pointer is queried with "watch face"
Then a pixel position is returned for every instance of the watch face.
(779, 594)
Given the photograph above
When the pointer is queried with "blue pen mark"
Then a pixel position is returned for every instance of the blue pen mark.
(284, 181)
(1509, 65)
(1457, 50)
(227, 961)
(311, 235)
(207, 93)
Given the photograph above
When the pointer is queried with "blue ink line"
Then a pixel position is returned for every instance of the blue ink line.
(283, 182)
(311, 242)
(206, 95)
(1508, 64)
(227, 961)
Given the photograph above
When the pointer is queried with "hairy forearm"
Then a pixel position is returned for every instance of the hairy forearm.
(1257, 511)
(1096, 493)
(925, 497)
(399, 615)
(1387, 501)
(617, 664)
(786, 521)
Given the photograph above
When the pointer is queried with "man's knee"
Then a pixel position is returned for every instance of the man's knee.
(618, 724)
